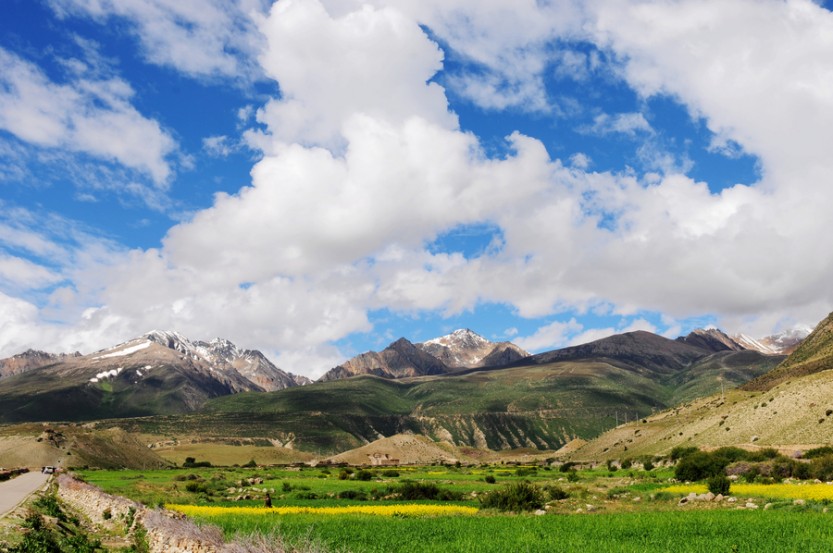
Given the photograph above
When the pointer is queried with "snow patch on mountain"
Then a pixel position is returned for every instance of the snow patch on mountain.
(126, 351)
(106, 374)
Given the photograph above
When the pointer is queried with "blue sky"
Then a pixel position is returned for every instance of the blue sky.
(318, 178)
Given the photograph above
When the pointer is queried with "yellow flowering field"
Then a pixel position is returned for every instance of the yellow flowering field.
(382, 510)
(812, 491)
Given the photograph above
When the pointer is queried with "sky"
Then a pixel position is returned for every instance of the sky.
(317, 178)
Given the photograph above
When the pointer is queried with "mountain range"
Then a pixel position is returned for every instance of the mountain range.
(459, 388)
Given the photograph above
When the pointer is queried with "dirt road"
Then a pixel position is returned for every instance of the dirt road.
(13, 491)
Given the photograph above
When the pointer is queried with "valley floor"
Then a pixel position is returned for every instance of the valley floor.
(586, 510)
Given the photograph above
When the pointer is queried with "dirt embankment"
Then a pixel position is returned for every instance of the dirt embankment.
(166, 533)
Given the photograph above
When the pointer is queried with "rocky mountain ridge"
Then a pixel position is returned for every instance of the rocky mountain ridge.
(31, 359)
(462, 349)
(158, 372)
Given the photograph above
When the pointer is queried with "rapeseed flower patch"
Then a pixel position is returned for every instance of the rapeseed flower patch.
(810, 491)
(381, 510)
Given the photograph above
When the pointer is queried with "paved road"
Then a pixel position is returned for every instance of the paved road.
(13, 491)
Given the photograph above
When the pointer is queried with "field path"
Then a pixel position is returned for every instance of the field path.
(14, 491)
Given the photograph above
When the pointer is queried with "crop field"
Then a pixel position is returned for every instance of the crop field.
(446, 508)
(807, 491)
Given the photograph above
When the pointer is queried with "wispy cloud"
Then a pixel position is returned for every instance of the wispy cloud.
(93, 117)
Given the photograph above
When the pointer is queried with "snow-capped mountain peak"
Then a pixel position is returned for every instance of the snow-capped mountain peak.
(782, 343)
(466, 348)
(462, 337)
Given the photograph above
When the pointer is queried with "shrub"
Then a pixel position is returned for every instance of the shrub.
(567, 467)
(648, 465)
(363, 475)
(680, 452)
(518, 496)
(557, 492)
(490, 479)
(191, 462)
(822, 468)
(196, 487)
(698, 466)
(411, 491)
(49, 504)
(390, 473)
(611, 466)
(572, 476)
(818, 452)
(525, 472)
(719, 484)
(250, 465)
(107, 514)
(286, 486)
(353, 494)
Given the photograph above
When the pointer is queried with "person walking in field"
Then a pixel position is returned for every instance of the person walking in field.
(268, 502)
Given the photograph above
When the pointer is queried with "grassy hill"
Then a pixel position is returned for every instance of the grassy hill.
(790, 407)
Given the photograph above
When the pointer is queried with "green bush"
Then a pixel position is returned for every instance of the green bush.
(191, 462)
(48, 504)
(719, 484)
(681, 452)
(411, 491)
(518, 496)
(489, 479)
(822, 468)
(819, 452)
(556, 493)
(352, 494)
(196, 487)
(363, 475)
(390, 473)
(698, 466)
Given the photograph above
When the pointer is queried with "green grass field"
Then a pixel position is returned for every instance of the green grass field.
(699, 531)
(618, 511)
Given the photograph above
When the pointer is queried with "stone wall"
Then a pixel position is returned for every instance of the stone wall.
(167, 532)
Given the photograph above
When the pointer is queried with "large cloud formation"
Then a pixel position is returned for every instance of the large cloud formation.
(364, 164)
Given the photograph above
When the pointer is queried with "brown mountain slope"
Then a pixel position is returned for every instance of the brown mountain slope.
(711, 339)
(815, 354)
(639, 351)
(400, 359)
